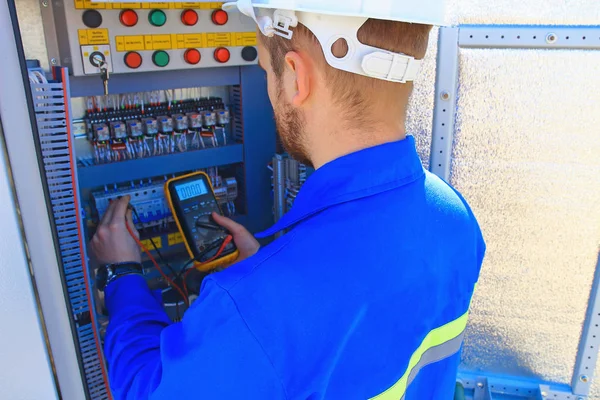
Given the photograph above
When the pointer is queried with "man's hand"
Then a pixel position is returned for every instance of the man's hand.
(112, 243)
(245, 242)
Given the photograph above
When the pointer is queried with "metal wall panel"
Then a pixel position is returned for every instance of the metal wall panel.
(526, 157)
(533, 12)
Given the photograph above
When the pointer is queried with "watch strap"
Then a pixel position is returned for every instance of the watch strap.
(111, 272)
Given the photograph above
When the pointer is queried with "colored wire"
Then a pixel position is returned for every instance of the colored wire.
(198, 259)
(158, 253)
(137, 216)
(227, 240)
(173, 285)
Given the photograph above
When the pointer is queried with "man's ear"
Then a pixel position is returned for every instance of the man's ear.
(297, 80)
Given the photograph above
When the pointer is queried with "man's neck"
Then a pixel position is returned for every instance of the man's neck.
(328, 145)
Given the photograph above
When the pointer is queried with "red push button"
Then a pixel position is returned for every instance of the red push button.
(189, 17)
(192, 56)
(220, 17)
(133, 59)
(128, 17)
(222, 55)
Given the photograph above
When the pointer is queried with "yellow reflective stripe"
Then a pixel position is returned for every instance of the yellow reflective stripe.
(435, 338)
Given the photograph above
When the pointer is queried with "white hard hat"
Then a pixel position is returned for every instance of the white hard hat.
(331, 20)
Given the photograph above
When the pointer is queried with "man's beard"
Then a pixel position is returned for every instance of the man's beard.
(290, 125)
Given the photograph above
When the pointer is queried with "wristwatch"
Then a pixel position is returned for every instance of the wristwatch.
(111, 272)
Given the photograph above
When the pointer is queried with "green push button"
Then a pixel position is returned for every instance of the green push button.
(160, 58)
(157, 18)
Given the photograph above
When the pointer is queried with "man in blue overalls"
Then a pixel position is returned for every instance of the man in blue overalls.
(367, 294)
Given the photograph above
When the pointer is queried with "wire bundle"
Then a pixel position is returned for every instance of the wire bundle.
(221, 244)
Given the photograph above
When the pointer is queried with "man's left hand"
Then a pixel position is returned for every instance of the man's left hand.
(112, 242)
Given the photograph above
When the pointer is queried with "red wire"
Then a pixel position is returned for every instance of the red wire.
(227, 240)
(173, 285)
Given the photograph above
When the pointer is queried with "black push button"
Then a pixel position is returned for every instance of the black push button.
(249, 53)
(92, 18)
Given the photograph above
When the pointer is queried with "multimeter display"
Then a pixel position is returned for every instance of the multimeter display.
(193, 202)
(190, 190)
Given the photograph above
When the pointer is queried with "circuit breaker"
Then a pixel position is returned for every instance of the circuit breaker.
(143, 37)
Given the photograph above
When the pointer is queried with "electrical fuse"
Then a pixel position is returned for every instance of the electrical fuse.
(101, 133)
(195, 120)
(150, 126)
(119, 130)
(134, 128)
(181, 122)
(223, 117)
(165, 124)
(210, 119)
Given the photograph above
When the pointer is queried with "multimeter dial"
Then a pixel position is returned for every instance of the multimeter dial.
(194, 202)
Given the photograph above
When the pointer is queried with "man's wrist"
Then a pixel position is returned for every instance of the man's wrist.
(109, 273)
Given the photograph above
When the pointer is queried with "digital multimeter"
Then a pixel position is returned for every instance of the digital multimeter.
(192, 201)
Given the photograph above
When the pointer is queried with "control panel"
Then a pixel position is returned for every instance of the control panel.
(142, 37)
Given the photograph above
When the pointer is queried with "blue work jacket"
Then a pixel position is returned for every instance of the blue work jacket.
(366, 296)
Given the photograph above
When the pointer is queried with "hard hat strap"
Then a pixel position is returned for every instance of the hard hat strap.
(361, 59)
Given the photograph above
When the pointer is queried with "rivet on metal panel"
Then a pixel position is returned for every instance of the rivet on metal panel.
(445, 104)
(551, 38)
(45, 3)
(53, 61)
(584, 378)
(544, 394)
(480, 385)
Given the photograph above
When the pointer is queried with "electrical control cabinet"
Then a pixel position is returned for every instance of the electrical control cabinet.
(142, 37)
(185, 95)
(98, 148)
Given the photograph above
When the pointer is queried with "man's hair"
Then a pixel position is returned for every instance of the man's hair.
(353, 91)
